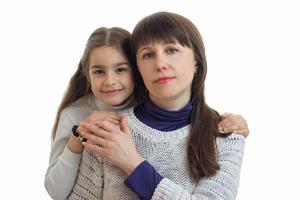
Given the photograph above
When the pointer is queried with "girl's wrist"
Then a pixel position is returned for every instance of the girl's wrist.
(74, 145)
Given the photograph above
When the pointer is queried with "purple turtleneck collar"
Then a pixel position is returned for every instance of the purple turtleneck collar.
(161, 119)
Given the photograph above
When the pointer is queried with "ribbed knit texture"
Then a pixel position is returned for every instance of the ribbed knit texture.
(64, 164)
(166, 151)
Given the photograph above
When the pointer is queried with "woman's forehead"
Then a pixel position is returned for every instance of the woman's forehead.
(152, 41)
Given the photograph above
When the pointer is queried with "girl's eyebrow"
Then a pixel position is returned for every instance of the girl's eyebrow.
(97, 67)
(114, 65)
(120, 63)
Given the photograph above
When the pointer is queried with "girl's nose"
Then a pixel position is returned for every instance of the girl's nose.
(109, 79)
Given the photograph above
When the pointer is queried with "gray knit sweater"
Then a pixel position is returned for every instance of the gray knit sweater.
(166, 151)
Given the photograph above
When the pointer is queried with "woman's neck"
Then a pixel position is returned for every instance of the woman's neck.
(171, 104)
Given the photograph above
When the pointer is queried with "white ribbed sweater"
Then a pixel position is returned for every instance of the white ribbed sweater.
(166, 151)
(63, 164)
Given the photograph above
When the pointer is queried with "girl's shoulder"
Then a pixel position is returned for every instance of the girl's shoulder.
(82, 106)
(127, 112)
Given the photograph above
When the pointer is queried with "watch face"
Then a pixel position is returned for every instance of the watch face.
(74, 131)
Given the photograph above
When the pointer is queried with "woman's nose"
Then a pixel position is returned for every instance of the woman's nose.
(160, 63)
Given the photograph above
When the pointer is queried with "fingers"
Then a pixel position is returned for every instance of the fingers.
(99, 150)
(243, 132)
(93, 139)
(234, 123)
(113, 121)
(95, 129)
(124, 125)
(113, 114)
(225, 115)
(109, 127)
(112, 117)
(104, 115)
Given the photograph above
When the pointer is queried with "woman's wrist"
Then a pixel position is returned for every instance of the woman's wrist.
(132, 165)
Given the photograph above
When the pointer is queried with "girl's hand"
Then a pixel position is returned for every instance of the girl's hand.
(235, 123)
(100, 115)
(112, 143)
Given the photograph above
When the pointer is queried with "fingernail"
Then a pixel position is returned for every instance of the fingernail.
(220, 129)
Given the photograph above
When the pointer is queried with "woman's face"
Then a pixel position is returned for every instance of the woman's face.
(168, 70)
(110, 76)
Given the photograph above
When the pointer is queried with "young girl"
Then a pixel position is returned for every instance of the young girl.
(173, 148)
(103, 82)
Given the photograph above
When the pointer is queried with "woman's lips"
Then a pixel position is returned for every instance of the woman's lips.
(164, 80)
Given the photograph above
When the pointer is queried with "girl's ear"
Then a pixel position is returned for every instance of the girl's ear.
(87, 74)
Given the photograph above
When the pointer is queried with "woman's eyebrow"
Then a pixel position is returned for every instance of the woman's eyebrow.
(170, 42)
(146, 47)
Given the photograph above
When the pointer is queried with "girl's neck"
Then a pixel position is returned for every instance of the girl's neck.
(126, 104)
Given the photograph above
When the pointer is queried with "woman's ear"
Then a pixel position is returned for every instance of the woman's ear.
(196, 67)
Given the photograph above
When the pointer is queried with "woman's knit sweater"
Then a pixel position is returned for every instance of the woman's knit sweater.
(166, 151)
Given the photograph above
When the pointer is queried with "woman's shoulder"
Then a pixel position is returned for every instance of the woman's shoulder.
(233, 142)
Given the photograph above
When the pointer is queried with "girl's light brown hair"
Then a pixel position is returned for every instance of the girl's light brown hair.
(79, 85)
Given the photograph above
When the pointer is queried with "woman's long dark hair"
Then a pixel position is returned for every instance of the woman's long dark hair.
(164, 26)
(79, 84)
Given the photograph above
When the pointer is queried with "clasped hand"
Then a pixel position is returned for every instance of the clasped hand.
(112, 143)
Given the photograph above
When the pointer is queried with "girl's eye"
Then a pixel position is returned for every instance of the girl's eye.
(147, 55)
(100, 72)
(121, 69)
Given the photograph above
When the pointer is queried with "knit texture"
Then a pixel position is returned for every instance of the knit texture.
(64, 164)
(166, 151)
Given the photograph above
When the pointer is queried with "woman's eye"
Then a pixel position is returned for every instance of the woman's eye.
(147, 55)
(172, 50)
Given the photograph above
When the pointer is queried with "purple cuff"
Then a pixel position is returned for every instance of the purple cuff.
(143, 180)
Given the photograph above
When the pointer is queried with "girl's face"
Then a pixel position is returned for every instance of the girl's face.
(110, 76)
(168, 70)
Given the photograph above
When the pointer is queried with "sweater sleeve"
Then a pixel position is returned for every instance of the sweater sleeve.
(63, 164)
(143, 180)
(223, 185)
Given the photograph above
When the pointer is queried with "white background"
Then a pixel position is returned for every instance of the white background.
(253, 69)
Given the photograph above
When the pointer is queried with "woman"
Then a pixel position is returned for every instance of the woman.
(169, 147)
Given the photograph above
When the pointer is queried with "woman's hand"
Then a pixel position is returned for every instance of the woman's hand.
(235, 123)
(112, 143)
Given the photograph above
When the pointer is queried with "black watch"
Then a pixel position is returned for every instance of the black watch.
(74, 131)
(76, 134)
